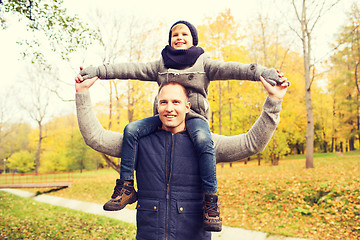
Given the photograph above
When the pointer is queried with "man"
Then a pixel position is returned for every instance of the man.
(169, 186)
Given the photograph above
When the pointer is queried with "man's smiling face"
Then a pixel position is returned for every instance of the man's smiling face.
(172, 106)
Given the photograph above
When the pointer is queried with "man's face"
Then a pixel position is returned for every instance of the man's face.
(172, 106)
(181, 37)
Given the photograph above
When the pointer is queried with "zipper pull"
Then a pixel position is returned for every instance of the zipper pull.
(167, 192)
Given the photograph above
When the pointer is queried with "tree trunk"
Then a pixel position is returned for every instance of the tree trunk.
(309, 116)
(306, 41)
(130, 102)
(111, 163)
(220, 104)
(110, 105)
(38, 152)
(230, 110)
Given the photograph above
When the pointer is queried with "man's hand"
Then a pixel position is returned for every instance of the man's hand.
(278, 91)
(81, 85)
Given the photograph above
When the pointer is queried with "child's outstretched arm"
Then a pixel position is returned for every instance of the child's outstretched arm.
(138, 71)
(219, 70)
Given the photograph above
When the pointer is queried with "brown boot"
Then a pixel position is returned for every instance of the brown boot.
(124, 193)
(212, 220)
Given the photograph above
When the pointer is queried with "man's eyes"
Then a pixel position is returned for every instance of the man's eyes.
(173, 102)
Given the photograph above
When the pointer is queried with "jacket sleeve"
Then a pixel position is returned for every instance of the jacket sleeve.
(234, 148)
(139, 71)
(94, 134)
(219, 70)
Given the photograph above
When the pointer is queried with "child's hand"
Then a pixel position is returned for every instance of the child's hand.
(271, 76)
(89, 72)
(278, 91)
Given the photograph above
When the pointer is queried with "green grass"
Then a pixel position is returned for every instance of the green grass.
(24, 218)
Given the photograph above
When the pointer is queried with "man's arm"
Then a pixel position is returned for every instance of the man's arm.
(234, 148)
(94, 134)
(227, 149)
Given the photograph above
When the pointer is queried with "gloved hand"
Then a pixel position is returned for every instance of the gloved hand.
(271, 76)
(90, 72)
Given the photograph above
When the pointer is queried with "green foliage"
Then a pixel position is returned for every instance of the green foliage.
(13, 138)
(65, 33)
(277, 148)
(344, 83)
(64, 148)
(22, 161)
(79, 155)
(24, 218)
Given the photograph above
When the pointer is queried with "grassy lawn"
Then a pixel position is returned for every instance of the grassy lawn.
(319, 203)
(24, 218)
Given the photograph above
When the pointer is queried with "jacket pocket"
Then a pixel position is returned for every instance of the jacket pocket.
(189, 220)
(147, 219)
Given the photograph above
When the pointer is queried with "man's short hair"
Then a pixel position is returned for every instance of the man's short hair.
(187, 93)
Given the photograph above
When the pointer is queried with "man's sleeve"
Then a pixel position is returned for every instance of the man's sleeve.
(94, 134)
(234, 148)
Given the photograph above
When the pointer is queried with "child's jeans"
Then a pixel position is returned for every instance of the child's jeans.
(199, 132)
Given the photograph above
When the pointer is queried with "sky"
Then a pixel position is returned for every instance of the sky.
(167, 12)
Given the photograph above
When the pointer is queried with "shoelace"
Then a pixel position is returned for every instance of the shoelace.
(212, 209)
(117, 191)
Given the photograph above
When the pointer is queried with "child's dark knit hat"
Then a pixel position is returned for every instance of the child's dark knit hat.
(193, 31)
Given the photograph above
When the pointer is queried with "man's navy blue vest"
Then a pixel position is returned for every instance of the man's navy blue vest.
(169, 187)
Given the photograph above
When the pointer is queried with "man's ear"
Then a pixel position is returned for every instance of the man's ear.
(188, 106)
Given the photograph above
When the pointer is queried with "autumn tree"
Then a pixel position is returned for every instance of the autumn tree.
(220, 37)
(345, 82)
(37, 105)
(128, 100)
(308, 13)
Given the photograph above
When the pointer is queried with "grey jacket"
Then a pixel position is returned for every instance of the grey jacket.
(195, 79)
(227, 148)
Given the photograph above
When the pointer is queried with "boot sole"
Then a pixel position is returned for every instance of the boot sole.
(213, 227)
(111, 206)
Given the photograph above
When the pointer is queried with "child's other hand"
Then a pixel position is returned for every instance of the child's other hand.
(277, 91)
(271, 76)
(89, 72)
(79, 78)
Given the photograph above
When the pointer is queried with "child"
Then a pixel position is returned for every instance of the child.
(183, 62)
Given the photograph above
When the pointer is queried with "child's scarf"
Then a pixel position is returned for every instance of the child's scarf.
(182, 58)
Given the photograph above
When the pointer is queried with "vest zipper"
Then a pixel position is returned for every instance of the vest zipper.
(168, 188)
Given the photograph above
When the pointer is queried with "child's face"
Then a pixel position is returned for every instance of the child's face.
(181, 37)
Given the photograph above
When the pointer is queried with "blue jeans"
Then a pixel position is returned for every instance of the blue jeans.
(199, 132)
